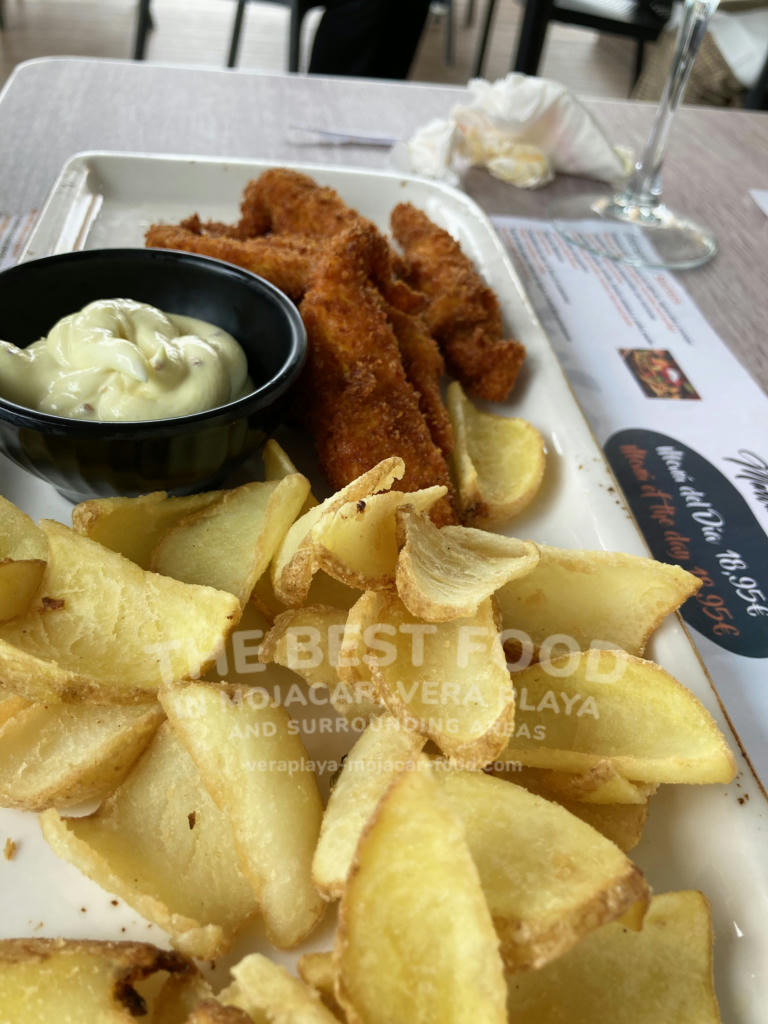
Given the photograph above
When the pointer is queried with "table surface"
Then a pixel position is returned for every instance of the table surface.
(54, 107)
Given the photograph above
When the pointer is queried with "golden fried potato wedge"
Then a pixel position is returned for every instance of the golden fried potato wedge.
(599, 598)
(278, 464)
(19, 537)
(324, 589)
(383, 751)
(266, 991)
(549, 879)
(134, 526)
(211, 1011)
(609, 706)
(60, 755)
(103, 629)
(277, 461)
(446, 680)
(10, 705)
(357, 543)
(178, 997)
(63, 980)
(161, 844)
(257, 771)
(662, 973)
(414, 927)
(316, 970)
(358, 703)
(446, 574)
(23, 555)
(20, 579)
(623, 824)
(229, 544)
(308, 641)
(295, 562)
(498, 461)
(242, 665)
(239, 662)
(263, 598)
(600, 784)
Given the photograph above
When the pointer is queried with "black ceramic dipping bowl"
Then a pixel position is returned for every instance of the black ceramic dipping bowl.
(84, 458)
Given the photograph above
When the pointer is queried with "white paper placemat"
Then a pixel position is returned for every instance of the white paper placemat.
(685, 429)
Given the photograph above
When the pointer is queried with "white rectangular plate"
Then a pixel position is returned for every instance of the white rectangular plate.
(713, 838)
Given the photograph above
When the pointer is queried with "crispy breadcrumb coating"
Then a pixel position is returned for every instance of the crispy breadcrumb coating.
(286, 202)
(463, 314)
(424, 368)
(360, 406)
(286, 261)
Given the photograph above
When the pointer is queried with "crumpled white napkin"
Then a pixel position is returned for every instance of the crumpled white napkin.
(523, 129)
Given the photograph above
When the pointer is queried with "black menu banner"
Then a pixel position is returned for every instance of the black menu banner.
(692, 515)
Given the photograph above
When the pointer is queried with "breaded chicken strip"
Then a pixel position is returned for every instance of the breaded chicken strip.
(381, 267)
(424, 368)
(463, 313)
(253, 222)
(286, 262)
(286, 202)
(359, 404)
(216, 228)
(254, 219)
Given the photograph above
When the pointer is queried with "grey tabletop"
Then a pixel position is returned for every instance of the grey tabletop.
(55, 107)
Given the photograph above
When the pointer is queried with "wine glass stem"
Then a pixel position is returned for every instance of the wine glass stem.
(644, 185)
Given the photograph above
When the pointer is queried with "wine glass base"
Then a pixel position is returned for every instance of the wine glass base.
(644, 235)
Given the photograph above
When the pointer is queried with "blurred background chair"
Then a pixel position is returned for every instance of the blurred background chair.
(641, 20)
(143, 25)
(446, 10)
(298, 8)
(757, 97)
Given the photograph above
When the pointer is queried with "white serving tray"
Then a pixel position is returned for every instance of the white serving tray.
(712, 838)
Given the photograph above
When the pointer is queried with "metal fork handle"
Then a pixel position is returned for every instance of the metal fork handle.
(346, 138)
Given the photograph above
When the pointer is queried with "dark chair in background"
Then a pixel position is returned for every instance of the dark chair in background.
(143, 25)
(757, 97)
(642, 22)
(449, 15)
(298, 8)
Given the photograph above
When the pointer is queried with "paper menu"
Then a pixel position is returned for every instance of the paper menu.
(685, 429)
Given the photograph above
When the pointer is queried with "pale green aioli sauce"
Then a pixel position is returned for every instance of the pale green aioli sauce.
(118, 359)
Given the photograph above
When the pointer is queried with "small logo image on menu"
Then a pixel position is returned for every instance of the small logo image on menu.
(657, 373)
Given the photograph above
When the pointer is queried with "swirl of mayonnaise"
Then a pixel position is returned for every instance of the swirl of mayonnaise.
(118, 359)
